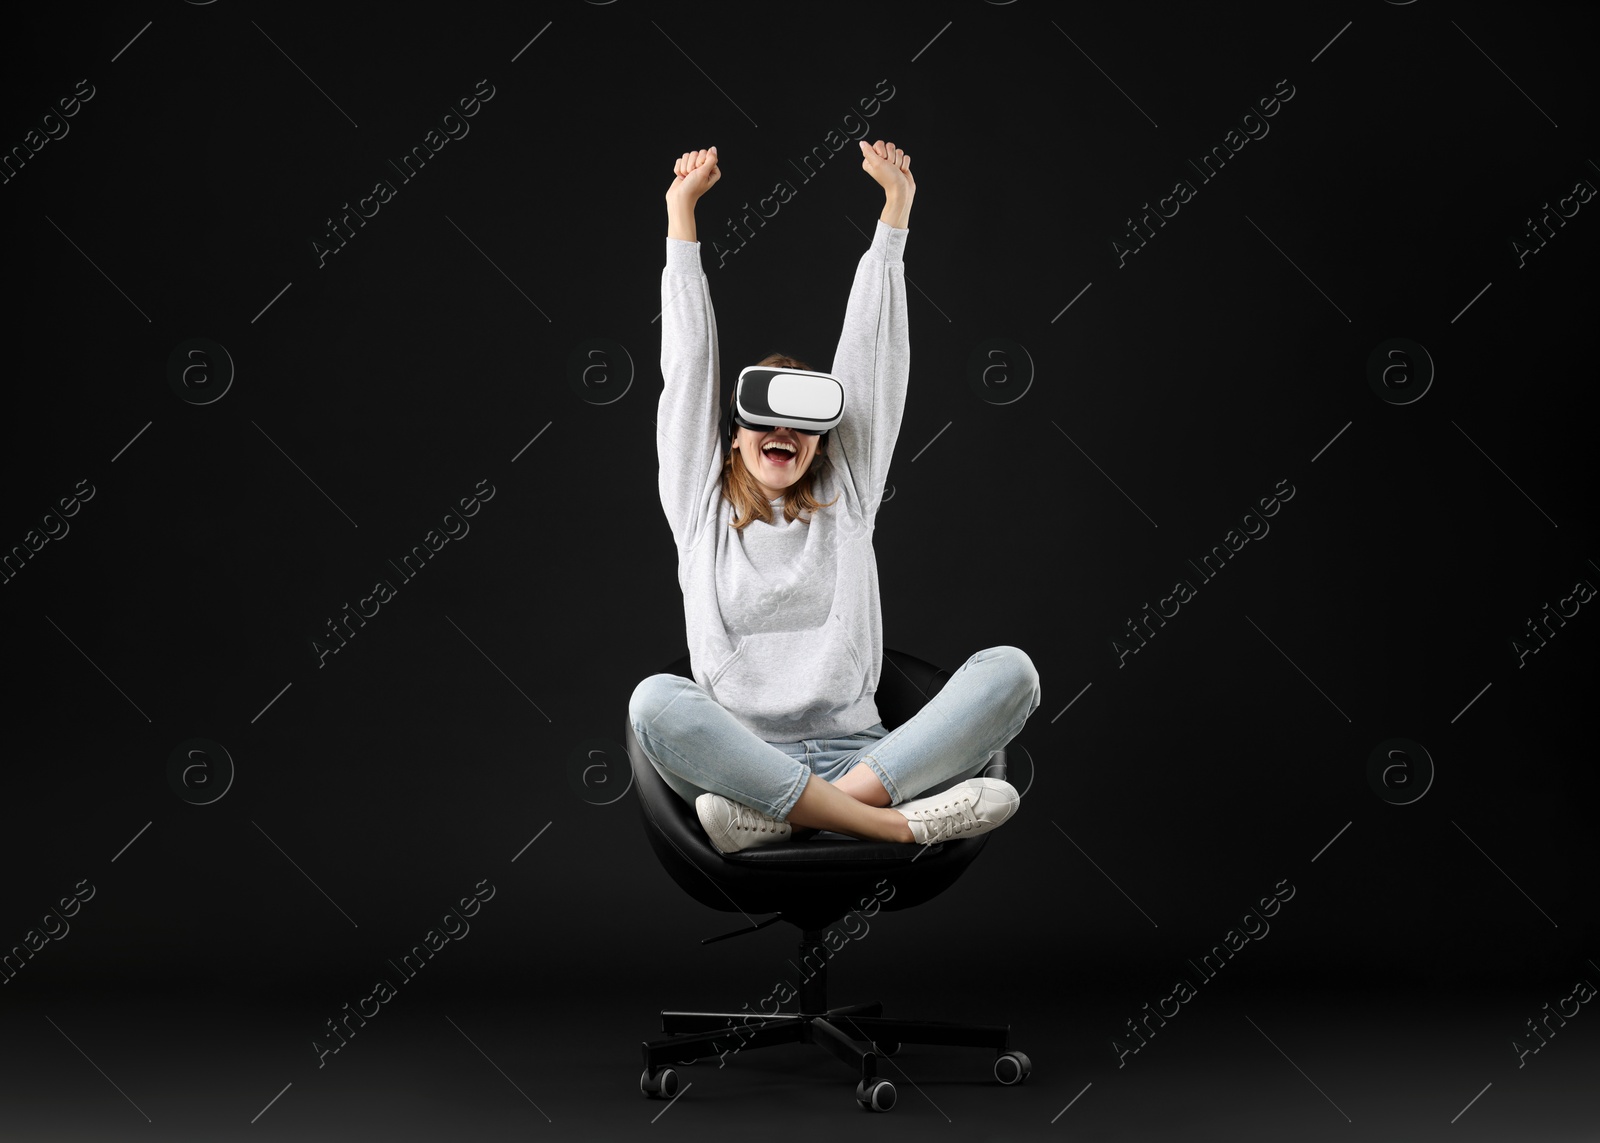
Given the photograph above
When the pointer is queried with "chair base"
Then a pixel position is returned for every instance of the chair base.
(698, 1035)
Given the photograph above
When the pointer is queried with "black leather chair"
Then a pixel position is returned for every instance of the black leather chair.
(811, 884)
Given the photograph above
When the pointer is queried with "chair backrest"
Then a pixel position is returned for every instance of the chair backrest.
(816, 882)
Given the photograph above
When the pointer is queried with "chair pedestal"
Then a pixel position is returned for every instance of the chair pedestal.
(698, 1035)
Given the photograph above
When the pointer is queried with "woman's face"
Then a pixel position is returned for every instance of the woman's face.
(775, 468)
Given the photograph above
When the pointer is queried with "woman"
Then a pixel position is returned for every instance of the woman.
(779, 729)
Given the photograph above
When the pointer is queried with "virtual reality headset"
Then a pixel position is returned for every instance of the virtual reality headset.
(769, 396)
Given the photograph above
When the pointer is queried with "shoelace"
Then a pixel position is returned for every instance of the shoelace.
(959, 812)
(754, 820)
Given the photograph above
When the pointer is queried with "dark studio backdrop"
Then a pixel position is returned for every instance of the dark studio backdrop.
(1350, 364)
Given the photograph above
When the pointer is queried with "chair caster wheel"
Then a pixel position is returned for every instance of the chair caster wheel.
(1012, 1067)
(662, 1085)
(875, 1095)
(886, 1048)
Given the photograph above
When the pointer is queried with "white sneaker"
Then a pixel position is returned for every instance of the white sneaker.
(733, 826)
(966, 809)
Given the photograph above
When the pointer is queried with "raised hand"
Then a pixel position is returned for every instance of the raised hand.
(694, 173)
(890, 168)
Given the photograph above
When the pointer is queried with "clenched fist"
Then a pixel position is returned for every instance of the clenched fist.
(889, 166)
(694, 173)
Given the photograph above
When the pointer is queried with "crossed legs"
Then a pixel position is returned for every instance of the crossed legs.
(697, 747)
(850, 806)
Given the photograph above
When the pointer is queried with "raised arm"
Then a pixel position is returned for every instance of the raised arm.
(687, 415)
(873, 360)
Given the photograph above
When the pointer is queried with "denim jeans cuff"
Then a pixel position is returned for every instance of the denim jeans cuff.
(782, 809)
(883, 776)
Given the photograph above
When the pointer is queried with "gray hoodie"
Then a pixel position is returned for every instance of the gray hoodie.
(784, 624)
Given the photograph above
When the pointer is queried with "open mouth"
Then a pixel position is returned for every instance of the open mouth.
(777, 455)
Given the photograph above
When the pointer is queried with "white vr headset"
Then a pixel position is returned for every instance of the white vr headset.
(769, 396)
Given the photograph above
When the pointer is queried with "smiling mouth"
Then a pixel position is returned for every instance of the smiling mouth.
(777, 457)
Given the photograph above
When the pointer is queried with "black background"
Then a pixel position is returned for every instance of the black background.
(370, 394)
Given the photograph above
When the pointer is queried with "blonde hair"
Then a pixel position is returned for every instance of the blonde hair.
(739, 485)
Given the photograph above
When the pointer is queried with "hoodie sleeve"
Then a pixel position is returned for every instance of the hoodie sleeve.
(687, 415)
(873, 363)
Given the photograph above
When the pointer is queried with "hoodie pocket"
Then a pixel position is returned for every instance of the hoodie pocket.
(716, 676)
(791, 677)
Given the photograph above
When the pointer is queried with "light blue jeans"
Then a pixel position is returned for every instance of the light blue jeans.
(698, 747)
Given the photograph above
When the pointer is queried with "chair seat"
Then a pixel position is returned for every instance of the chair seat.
(811, 883)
